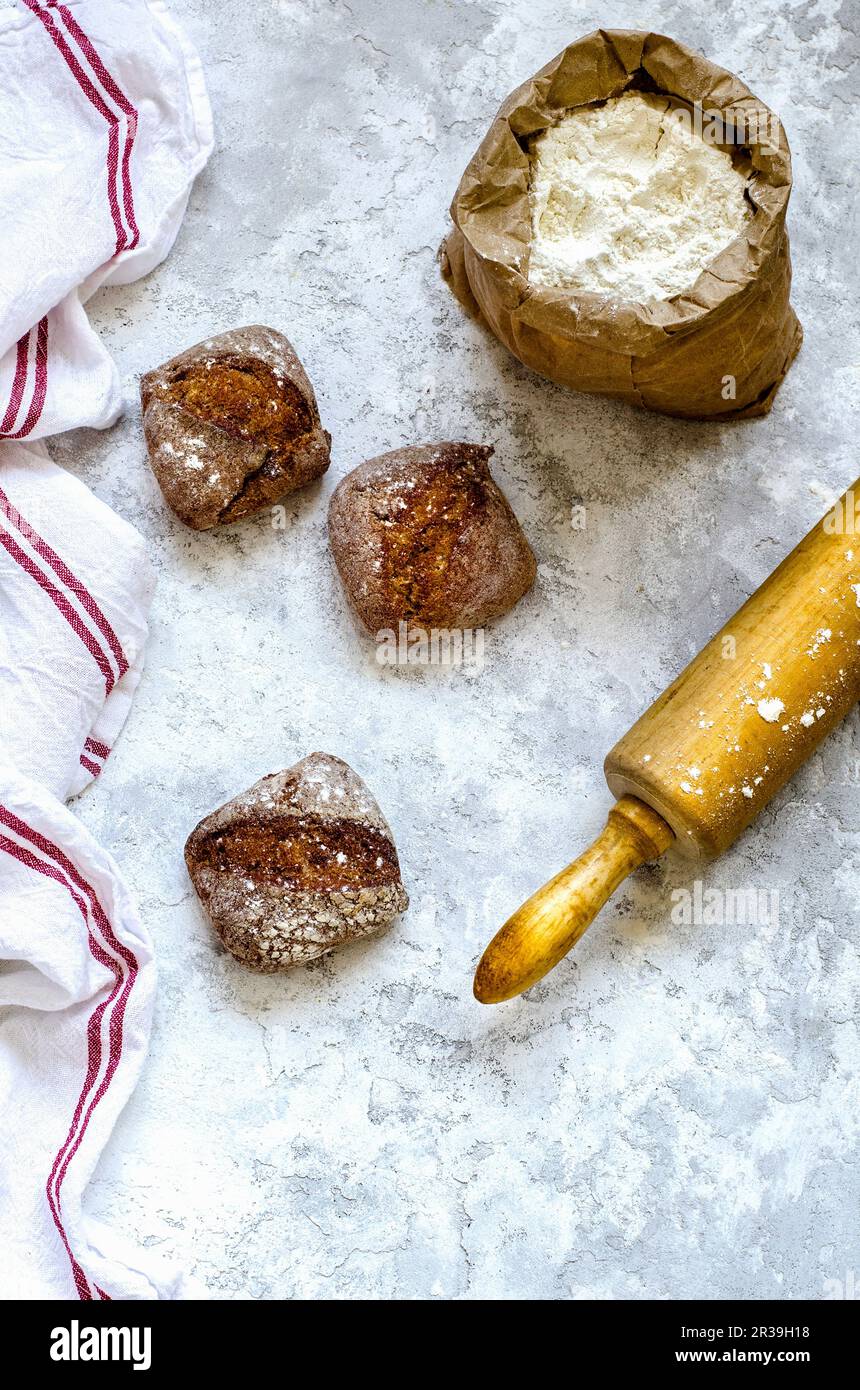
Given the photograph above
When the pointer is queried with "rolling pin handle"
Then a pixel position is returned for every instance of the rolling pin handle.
(546, 927)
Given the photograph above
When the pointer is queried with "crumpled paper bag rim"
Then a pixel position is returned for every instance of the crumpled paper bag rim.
(491, 208)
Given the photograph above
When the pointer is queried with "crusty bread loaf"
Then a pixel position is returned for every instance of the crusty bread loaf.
(232, 425)
(301, 862)
(424, 535)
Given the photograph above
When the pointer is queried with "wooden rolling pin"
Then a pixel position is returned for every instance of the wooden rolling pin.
(714, 748)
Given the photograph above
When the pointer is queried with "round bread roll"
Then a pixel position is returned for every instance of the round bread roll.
(424, 535)
(301, 862)
(231, 426)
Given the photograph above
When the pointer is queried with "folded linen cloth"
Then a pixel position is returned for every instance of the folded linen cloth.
(104, 122)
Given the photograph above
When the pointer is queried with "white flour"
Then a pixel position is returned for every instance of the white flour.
(627, 199)
(770, 710)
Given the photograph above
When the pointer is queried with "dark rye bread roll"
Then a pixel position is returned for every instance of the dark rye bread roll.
(301, 862)
(424, 535)
(231, 426)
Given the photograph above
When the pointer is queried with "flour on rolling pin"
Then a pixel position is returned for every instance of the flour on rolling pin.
(755, 702)
(713, 749)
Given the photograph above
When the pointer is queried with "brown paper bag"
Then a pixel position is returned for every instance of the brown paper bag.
(720, 349)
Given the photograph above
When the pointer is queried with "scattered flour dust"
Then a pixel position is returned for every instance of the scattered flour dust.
(770, 710)
(627, 199)
(823, 635)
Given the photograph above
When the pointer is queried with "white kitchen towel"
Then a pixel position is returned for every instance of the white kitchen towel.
(104, 122)
(76, 966)
(76, 993)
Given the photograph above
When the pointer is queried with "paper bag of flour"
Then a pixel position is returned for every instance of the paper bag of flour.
(717, 350)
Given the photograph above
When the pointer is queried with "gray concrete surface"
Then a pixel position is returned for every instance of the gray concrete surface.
(674, 1112)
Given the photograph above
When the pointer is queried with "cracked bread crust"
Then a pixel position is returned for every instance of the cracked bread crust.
(424, 535)
(231, 426)
(300, 863)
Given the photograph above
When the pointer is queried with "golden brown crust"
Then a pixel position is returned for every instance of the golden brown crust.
(299, 854)
(301, 862)
(243, 397)
(231, 426)
(424, 535)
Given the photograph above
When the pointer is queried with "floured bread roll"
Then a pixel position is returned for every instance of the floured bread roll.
(301, 862)
(627, 198)
(231, 426)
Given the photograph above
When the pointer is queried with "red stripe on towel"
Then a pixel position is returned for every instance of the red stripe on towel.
(94, 1049)
(123, 984)
(62, 604)
(19, 380)
(93, 96)
(65, 575)
(114, 91)
(40, 384)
